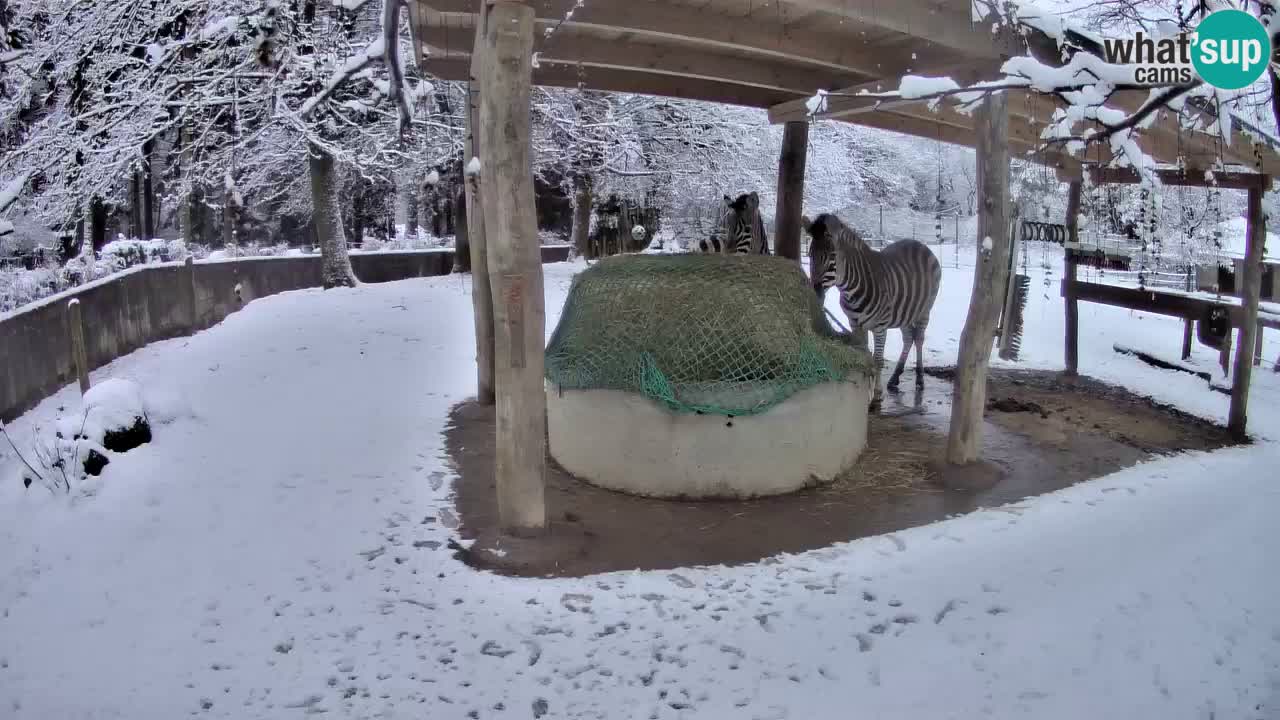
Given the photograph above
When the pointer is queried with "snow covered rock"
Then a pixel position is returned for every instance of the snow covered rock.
(113, 417)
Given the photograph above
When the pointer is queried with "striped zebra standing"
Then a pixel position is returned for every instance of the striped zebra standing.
(892, 288)
(741, 229)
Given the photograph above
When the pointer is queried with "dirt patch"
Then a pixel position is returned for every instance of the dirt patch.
(1043, 432)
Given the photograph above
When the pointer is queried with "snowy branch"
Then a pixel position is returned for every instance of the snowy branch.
(391, 44)
(376, 50)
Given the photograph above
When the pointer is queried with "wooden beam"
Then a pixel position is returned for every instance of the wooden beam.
(945, 24)
(1251, 287)
(932, 129)
(629, 81)
(791, 165)
(1072, 221)
(1172, 304)
(1193, 178)
(515, 266)
(481, 290)
(964, 438)
(567, 47)
(664, 20)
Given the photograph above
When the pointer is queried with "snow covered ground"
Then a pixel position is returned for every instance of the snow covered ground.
(279, 550)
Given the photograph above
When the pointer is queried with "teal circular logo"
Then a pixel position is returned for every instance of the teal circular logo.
(1231, 49)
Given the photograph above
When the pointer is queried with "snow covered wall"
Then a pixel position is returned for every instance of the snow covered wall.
(126, 311)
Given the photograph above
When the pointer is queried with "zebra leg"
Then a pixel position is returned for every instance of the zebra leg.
(907, 333)
(919, 338)
(877, 394)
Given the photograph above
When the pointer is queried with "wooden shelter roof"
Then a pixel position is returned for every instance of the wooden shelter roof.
(776, 54)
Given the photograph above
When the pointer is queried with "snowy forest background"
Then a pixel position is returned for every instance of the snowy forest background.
(145, 131)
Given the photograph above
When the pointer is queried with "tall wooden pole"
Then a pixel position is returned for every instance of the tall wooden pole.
(964, 439)
(514, 264)
(1250, 288)
(79, 356)
(1068, 282)
(795, 147)
(481, 292)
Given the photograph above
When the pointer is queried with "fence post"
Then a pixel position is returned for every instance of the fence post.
(78, 355)
(189, 273)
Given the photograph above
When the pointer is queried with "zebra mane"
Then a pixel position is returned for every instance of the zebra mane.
(837, 234)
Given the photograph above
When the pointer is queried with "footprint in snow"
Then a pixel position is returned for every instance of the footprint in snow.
(680, 580)
(448, 519)
(942, 614)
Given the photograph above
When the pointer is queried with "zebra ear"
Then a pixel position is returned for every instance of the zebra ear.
(755, 197)
(806, 224)
(728, 200)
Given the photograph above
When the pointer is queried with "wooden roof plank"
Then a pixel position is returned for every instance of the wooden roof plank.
(661, 19)
(625, 81)
(570, 48)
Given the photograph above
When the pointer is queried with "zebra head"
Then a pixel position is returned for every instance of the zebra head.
(740, 225)
(822, 253)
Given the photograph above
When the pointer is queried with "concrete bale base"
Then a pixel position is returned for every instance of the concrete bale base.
(626, 442)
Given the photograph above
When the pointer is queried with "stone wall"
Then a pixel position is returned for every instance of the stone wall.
(139, 306)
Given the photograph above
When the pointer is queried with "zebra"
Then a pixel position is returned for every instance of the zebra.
(741, 228)
(891, 288)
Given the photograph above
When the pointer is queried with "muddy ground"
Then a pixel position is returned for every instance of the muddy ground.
(1043, 432)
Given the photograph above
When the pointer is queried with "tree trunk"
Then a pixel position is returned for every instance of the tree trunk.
(135, 203)
(148, 195)
(357, 215)
(97, 223)
(79, 234)
(964, 440)
(406, 216)
(228, 218)
(786, 231)
(327, 214)
(189, 216)
(581, 232)
(422, 204)
(516, 267)
(481, 292)
(1250, 289)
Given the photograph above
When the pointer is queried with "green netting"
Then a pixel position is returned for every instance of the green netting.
(709, 333)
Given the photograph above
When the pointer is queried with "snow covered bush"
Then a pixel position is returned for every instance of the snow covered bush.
(111, 420)
(125, 253)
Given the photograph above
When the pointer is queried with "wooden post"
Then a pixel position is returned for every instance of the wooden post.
(1188, 329)
(189, 275)
(1250, 287)
(1257, 346)
(795, 147)
(78, 355)
(515, 265)
(1068, 281)
(481, 292)
(964, 439)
